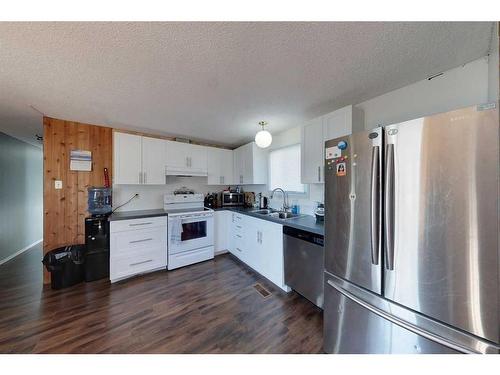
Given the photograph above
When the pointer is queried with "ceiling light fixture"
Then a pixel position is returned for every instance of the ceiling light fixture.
(263, 138)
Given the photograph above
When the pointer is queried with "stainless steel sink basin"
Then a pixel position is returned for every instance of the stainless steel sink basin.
(276, 214)
(264, 212)
(283, 215)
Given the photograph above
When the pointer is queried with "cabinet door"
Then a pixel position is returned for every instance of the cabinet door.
(197, 158)
(247, 163)
(226, 167)
(337, 124)
(260, 158)
(222, 226)
(214, 167)
(127, 164)
(220, 166)
(271, 253)
(252, 245)
(312, 159)
(153, 161)
(238, 166)
(177, 155)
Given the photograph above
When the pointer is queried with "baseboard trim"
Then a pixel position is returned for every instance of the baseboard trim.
(10, 257)
(220, 252)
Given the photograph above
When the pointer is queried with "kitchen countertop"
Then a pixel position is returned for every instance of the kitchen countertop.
(305, 222)
(138, 214)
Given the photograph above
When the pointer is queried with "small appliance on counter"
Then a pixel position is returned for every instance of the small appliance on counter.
(263, 201)
(232, 199)
(249, 198)
(320, 212)
(211, 200)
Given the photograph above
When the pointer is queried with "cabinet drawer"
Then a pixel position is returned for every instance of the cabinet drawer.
(143, 223)
(135, 239)
(137, 261)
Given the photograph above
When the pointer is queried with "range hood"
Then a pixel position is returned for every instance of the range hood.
(185, 172)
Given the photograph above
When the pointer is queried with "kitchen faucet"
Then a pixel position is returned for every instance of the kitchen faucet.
(285, 198)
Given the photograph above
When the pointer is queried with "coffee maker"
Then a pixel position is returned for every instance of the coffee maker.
(210, 200)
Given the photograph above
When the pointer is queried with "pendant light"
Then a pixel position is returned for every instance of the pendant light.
(263, 138)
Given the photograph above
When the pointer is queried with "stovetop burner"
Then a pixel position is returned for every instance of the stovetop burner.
(183, 191)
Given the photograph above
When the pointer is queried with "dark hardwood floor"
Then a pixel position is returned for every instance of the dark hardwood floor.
(210, 307)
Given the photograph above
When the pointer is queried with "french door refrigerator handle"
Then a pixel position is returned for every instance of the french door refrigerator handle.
(389, 207)
(374, 205)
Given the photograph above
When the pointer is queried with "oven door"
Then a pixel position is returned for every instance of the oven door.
(189, 232)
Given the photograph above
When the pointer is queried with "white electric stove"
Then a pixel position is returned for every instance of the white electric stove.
(190, 233)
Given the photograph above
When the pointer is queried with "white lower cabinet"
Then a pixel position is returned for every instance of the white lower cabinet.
(137, 246)
(259, 244)
(222, 230)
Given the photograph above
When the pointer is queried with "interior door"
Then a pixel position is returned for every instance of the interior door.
(353, 208)
(441, 218)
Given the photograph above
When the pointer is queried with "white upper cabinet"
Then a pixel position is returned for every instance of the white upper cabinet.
(336, 124)
(138, 160)
(250, 165)
(185, 159)
(312, 152)
(220, 166)
(153, 161)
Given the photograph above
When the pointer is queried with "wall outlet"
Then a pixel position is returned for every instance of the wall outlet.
(58, 184)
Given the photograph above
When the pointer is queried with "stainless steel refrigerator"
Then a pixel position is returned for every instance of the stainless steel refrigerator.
(411, 236)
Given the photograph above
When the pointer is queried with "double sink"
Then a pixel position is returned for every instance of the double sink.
(276, 214)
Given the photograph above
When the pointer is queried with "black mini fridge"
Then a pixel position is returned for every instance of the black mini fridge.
(97, 248)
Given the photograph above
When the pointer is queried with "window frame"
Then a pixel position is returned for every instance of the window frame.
(290, 193)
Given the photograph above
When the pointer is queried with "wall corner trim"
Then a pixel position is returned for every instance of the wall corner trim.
(19, 252)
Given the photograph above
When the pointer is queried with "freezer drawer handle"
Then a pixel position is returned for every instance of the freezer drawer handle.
(404, 324)
(144, 240)
(389, 207)
(374, 208)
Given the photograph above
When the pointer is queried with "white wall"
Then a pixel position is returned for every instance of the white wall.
(493, 67)
(151, 196)
(460, 87)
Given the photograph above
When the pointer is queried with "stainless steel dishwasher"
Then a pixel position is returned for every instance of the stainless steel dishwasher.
(304, 263)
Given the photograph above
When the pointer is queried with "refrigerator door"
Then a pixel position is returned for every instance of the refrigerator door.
(352, 204)
(441, 218)
(358, 321)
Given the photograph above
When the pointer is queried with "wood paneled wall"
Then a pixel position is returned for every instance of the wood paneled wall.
(66, 209)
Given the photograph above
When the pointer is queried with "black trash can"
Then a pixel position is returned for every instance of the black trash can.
(65, 265)
(96, 264)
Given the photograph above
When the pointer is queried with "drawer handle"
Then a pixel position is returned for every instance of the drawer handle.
(144, 261)
(238, 249)
(238, 226)
(238, 235)
(136, 224)
(144, 240)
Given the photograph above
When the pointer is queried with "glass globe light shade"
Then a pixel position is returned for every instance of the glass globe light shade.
(263, 138)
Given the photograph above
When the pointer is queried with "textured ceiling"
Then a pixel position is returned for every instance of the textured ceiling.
(215, 81)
